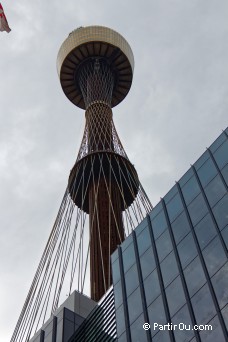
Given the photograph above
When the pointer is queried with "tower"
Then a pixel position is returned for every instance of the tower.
(104, 199)
(95, 66)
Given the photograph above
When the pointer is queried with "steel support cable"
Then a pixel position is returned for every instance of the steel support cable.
(97, 216)
(47, 273)
(79, 213)
(119, 188)
(61, 257)
(27, 304)
(92, 158)
(110, 199)
(46, 277)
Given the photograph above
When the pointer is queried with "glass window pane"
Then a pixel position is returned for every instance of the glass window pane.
(170, 194)
(218, 142)
(221, 155)
(203, 305)
(214, 256)
(156, 314)
(205, 231)
(159, 224)
(118, 294)
(215, 190)
(186, 177)
(202, 160)
(207, 172)
(175, 296)
(152, 287)
(225, 173)
(156, 210)
(225, 236)
(115, 271)
(220, 284)
(225, 315)
(182, 317)
(138, 334)
(187, 250)
(174, 207)
(131, 279)
(147, 262)
(144, 241)
(180, 227)
(221, 212)
(134, 305)
(128, 257)
(162, 336)
(190, 190)
(214, 334)
(141, 227)
(164, 245)
(194, 276)
(127, 242)
(169, 269)
(197, 209)
(120, 320)
(122, 338)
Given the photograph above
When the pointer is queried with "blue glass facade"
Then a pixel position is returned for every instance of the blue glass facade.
(174, 267)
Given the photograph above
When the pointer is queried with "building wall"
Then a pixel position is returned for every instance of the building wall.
(174, 266)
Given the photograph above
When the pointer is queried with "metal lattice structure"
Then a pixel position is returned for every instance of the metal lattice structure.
(104, 200)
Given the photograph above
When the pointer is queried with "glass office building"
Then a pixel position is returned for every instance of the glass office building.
(171, 272)
(174, 267)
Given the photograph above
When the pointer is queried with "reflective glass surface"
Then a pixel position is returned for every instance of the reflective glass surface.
(118, 294)
(173, 191)
(214, 334)
(218, 142)
(214, 256)
(221, 155)
(225, 173)
(197, 209)
(180, 227)
(186, 177)
(194, 276)
(175, 296)
(190, 190)
(138, 334)
(174, 207)
(128, 257)
(220, 212)
(134, 305)
(144, 241)
(207, 172)
(120, 321)
(115, 271)
(131, 279)
(185, 332)
(159, 224)
(203, 305)
(147, 262)
(164, 245)
(225, 315)
(201, 160)
(220, 284)
(215, 190)
(205, 231)
(156, 314)
(151, 287)
(162, 336)
(169, 268)
(187, 250)
(225, 236)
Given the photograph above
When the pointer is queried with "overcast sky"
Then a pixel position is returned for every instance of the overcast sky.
(177, 106)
